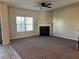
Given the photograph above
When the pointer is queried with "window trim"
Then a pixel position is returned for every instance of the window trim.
(25, 24)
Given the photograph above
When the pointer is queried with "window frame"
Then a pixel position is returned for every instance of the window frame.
(25, 30)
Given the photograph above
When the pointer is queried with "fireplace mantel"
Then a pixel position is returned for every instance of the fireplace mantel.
(44, 25)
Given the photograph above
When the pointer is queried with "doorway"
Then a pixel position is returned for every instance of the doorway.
(0, 32)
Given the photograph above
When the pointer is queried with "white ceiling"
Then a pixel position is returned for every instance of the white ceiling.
(30, 4)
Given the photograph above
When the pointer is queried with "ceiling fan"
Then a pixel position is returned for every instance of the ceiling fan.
(45, 5)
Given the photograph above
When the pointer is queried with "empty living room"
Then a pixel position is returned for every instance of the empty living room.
(39, 29)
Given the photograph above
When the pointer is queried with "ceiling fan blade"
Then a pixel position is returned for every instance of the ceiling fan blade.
(49, 7)
(48, 4)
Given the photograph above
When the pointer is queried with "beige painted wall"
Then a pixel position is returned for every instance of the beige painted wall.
(66, 22)
(45, 17)
(40, 17)
(13, 12)
(4, 22)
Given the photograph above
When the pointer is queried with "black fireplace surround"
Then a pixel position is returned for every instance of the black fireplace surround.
(44, 30)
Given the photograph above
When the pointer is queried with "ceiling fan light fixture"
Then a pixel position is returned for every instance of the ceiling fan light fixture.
(42, 7)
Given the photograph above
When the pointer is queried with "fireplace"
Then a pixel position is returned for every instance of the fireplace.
(44, 29)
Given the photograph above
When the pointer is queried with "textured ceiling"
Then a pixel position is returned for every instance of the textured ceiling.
(31, 4)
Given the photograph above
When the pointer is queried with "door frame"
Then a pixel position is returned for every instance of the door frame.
(1, 28)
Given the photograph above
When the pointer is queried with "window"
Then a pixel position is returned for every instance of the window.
(20, 21)
(29, 24)
(24, 23)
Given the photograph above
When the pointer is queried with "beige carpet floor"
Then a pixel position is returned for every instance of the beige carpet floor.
(40, 47)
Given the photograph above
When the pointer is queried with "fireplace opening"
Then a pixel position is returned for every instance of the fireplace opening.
(44, 30)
